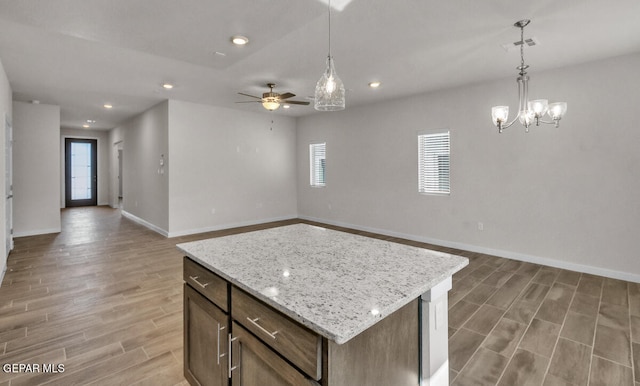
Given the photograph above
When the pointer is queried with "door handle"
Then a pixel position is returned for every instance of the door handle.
(9, 196)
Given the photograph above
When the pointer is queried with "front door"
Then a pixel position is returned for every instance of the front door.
(81, 172)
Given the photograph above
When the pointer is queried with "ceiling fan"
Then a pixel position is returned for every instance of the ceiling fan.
(272, 100)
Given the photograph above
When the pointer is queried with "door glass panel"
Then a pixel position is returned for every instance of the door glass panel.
(81, 171)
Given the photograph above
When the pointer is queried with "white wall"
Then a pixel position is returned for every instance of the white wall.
(228, 168)
(566, 197)
(146, 191)
(5, 108)
(103, 161)
(36, 169)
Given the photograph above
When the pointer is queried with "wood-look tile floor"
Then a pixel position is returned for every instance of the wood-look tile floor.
(104, 299)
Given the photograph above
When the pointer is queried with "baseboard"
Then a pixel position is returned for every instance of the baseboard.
(144, 223)
(230, 225)
(188, 232)
(36, 232)
(627, 276)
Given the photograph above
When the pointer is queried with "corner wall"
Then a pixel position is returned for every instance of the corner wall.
(564, 197)
(146, 190)
(36, 169)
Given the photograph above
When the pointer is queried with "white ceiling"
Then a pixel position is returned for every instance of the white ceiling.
(81, 54)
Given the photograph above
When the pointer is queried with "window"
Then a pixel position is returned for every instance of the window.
(434, 163)
(317, 162)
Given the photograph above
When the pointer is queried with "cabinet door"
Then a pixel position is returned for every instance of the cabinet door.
(255, 364)
(205, 341)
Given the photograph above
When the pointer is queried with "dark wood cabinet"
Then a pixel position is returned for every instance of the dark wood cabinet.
(206, 330)
(256, 345)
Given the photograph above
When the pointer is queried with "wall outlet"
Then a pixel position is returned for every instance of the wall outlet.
(480, 226)
(213, 210)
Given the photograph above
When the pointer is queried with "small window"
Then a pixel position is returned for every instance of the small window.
(434, 163)
(317, 162)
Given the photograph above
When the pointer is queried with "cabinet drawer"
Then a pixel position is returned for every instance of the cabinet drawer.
(296, 343)
(212, 286)
(255, 364)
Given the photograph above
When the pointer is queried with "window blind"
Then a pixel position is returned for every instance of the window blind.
(434, 163)
(317, 162)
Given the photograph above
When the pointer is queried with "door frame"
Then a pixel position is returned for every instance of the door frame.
(8, 128)
(93, 201)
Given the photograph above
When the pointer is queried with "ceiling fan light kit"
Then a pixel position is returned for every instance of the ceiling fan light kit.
(528, 111)
(272, 100)
(330, 92)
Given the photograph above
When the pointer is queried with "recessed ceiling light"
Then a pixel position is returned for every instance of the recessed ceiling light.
(108, 106)
(91, 121)
(167, 86)
(286, 106)
(375, 84)
(85, 126)
(239, 40)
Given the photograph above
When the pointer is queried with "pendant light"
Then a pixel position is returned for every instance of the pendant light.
(329, 94)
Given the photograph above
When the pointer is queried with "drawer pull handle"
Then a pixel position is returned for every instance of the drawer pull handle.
(195, 278)
(230, 365)
(255, 323)
(220, 328)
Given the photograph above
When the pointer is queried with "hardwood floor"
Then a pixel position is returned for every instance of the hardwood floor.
(104, 299)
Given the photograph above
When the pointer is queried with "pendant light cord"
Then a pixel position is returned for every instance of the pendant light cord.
(522, 68)
(329, 2)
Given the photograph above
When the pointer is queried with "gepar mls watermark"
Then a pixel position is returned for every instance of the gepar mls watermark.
(16, 368)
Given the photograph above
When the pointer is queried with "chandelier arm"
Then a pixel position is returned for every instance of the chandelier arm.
(508, 124)
(555, 122)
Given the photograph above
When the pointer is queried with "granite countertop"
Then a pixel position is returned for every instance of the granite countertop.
(337, 284)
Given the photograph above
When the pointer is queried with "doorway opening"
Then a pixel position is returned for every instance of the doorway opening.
(81, 172)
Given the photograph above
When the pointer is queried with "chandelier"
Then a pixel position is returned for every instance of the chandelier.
(528, 111)
(329, 95)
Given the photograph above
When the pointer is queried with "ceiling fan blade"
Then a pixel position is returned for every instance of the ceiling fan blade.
(287, 95)
(252, 96)
(297, 102)
(249, 102)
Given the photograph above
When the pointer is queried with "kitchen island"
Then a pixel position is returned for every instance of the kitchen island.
(302, 304)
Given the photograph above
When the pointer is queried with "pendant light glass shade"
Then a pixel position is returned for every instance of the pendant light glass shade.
(329, 94)
(557, 110)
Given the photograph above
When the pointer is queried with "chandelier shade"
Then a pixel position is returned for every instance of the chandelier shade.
(528, 111)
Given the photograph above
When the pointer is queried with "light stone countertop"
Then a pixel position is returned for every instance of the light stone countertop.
(337, 284)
